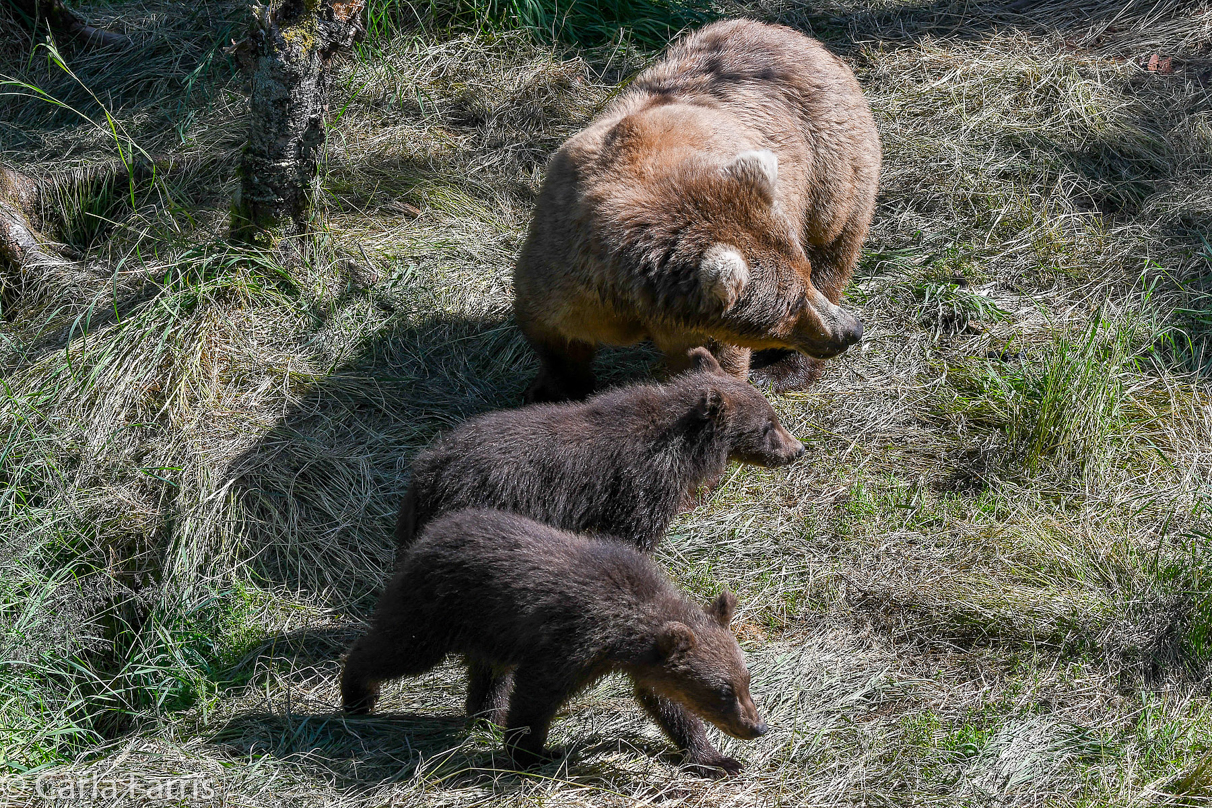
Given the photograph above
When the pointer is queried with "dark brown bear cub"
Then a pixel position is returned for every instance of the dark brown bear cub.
(562, 610)
(619, 464)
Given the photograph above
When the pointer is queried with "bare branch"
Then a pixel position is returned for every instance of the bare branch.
(63, 21)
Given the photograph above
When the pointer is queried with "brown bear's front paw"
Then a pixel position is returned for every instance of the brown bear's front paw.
(784, 370)
(544, 390)
(713, 766)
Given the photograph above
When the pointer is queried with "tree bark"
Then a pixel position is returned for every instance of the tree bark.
(63, 21)
(23, 248)
(291, 47)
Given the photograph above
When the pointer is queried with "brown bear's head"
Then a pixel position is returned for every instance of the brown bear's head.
(752, 273)
(748, 423)
(700, 665)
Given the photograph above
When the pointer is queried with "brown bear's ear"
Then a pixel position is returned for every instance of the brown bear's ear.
(711, 406)
(703, 360)
(724, 275)
(675, 638)
(722, 608)
(757, 169)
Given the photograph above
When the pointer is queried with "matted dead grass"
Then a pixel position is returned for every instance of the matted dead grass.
(987, 585)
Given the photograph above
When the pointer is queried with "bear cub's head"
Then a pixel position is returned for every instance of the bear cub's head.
(700, 665)
(748, 423)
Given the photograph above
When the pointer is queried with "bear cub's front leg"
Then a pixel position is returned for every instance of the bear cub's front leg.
(504, 591)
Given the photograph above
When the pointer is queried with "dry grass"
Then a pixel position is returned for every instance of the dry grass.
(988, 585)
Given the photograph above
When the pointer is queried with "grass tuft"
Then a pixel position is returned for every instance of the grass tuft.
(1068, 408)
(648, 23)
(987, 583)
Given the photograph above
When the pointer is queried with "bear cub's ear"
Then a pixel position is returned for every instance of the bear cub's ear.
(711, 406)
(722, 608)
(675, 638)
(702, 359)
(757, 169)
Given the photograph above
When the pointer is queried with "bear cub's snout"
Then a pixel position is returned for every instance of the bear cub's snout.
(756, 434)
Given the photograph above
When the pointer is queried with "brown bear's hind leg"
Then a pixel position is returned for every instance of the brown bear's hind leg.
(565, 370)
(488, 692)
(687, 732)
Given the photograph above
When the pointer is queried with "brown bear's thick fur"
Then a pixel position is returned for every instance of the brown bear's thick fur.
(721, 200)
(562, 611)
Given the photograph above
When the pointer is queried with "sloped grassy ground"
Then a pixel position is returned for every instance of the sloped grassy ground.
(986, 585)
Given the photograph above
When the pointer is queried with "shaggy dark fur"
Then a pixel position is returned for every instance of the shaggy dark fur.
(562, 611)
(619, 464)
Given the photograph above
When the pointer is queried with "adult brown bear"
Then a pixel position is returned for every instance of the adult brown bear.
(721, 200)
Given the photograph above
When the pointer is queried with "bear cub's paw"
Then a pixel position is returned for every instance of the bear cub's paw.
(713, 767)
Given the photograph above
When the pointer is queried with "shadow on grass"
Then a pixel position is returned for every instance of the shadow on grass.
(319, 491)
(353, 750)
(365, 752)
(177, 58)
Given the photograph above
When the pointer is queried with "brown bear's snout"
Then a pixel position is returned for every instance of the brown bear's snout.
(771, 446)
(755, 731)
(793, 450)
(756, 725)
(784, 449)
(852, 333)
(826, 330)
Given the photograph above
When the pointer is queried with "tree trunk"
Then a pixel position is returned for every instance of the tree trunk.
(291, 46)
(23, 247)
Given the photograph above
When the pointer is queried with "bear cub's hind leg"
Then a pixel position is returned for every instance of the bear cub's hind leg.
(488, 690)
